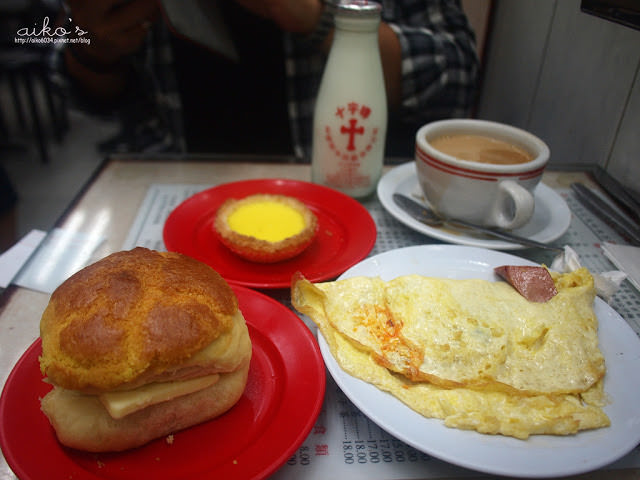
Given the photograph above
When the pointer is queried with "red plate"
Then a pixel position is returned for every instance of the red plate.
(346, 233)
(259, 434)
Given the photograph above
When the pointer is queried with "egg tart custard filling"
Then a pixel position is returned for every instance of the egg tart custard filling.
(265, 228)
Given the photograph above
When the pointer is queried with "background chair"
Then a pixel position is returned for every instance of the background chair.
(36, 100)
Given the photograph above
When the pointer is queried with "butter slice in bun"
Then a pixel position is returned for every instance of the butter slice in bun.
(139, 345)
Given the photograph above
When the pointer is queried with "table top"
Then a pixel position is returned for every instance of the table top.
(109, 205)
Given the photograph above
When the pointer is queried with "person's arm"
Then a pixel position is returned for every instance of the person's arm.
(115, 29)
(302, 16)
(439, 61)
(391, 55)
(102, 82)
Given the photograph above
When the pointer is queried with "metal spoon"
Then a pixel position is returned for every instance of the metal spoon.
(429, 217)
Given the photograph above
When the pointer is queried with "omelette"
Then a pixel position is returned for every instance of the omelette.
(474, 353)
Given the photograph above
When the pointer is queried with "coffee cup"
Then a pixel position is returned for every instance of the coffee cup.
(482, 172)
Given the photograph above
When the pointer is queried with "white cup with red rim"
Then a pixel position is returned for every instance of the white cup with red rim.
(489, 194)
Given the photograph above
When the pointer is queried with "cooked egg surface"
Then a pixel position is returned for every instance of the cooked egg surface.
(489, 412)
(471, 352)
(266, 220)
(472, 332)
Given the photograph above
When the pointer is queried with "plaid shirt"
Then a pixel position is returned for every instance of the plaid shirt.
(439, 70)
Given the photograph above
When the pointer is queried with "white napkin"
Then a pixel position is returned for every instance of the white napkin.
(14, 258)
(41, 261)
(626, 258)
(61, 254)
(606, 283)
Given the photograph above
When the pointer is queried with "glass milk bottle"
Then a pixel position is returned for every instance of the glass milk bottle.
(350, 118)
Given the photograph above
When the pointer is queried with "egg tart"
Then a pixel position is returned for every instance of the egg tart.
(265, 228)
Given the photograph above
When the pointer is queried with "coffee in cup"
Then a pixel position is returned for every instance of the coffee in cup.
(480, 171)
(482, 149)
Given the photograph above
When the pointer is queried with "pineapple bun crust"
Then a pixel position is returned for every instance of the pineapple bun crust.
(132, 313)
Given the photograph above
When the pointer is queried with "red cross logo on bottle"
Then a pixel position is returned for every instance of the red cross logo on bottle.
(352, 137)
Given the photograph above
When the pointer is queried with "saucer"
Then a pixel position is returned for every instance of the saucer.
(551, 217)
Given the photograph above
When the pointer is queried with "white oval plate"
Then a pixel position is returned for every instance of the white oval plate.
(540, 456)
(551, 217)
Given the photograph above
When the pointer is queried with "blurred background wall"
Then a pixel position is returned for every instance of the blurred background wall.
(571, 78)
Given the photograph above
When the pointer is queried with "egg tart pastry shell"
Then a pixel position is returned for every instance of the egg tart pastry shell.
(264, 251)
